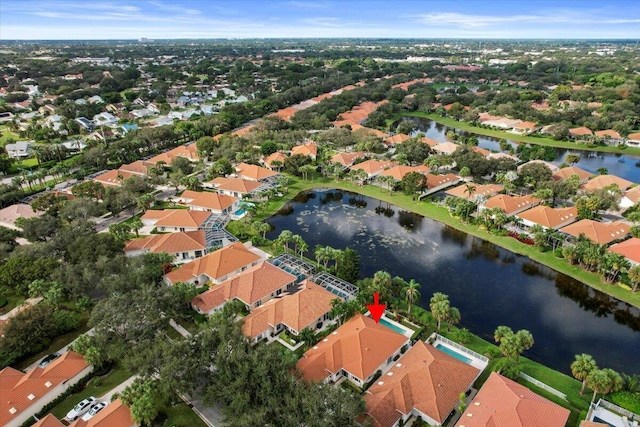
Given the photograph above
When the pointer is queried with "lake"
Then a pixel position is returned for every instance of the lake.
(490, 285)
(621, 165)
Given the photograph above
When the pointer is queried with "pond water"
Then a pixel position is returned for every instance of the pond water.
(490, 285)
(622, 165)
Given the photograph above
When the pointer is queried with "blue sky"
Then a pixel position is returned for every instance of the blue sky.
(164, 19)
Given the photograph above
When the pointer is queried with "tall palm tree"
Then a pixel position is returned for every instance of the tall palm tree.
(599, 381)
(411, 292)
(308, 336)
(285, 238)
(469, 190)
(581, 367)
(264, 228)
(440, 307)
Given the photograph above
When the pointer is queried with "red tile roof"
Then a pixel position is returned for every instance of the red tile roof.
(176, 217)
(601, 233)
(273, 157)
(253, 172)
(373, 166)
(347, 159)
(309, 149)
(48, 421)
(115, 414)
(479, 190)
(359, 347)
(398, 172)
(602, 181)
(608, 133)
(426, 379)
(582, 131)
(629, 249)
(172, 243)
(502, 402)
(511, 204)
(633, 194)
(434, 181)
(550, 217)
(569, 171)
(208, 200)
(236, 185)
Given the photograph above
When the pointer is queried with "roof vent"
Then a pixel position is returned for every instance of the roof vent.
(477, 403)
(315, 347)
(325, 340)
(389, 374)
(469, 415)
(334, 333)
(13, 410)
(398, 364)
(31, 396)
(48, 384)
(380, 382)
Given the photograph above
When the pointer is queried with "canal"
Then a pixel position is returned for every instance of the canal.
(490, 285)
(622, 165)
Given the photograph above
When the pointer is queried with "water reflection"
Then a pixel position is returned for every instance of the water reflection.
(491, 286)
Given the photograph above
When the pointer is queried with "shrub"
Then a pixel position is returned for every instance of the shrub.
(627, 400)
(3, 302)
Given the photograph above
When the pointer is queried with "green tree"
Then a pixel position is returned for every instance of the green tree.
(599, 381)
(413, 183)
(284, 239)
(440, 307)
(141, 397)
(348, 268)
(513, 344)
(634, 277)
(581, 367)
(412, 292)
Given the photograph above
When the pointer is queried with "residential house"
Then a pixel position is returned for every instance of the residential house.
(609, 136)
(581, 133)
(524, 128)
(630, 249)
(20, 149)
(24, 395)
(569, 171)
(307, 308)
(602, 181)
(598, 232)
(218, 203)
(502, 156)
(630, 197)
(172, 220)
(215, 267)
(425, 382)
(254, 287)
(154, 108)
(430, 142)
(128, 127)
(373, 167)
(501, 123)
(547, 217)
(550, 165)
(586, 423)
(347, 159)
(48, 420)
(502, 402)
(189, 151)
(445, 147)
(356, 351)
(10, 214)
(254, 172)
(274, 157)
(472, 191)
(633, 139)
(439, 182)
(113, 177)
(184, 245)
(511, 205)
(237, 187)
(105, 119)
(482, 151)
(399, 171)
(85, 123)
(96, 99)
(399, 138)
(115, 414)
(309, 149)
(54, 122)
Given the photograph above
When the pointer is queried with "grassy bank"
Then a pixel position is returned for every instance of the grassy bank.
(550, 142)
(441, 214)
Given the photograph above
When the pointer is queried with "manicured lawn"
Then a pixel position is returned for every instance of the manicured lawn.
(441, 214)
(6, 133)
(181, 415)
(520, 138)
(12, 302)
(107, 382)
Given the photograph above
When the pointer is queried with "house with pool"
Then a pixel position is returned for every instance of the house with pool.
(307, 308)
(171, 220)
(355, 351)
(217, 203)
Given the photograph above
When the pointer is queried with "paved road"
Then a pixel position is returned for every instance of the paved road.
(60, 351)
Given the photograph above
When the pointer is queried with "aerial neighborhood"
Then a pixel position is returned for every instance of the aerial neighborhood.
(201, 232)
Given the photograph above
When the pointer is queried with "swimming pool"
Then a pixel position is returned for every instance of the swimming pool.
(599, 420)
(240, 212)
(452, 352)
(390, 325)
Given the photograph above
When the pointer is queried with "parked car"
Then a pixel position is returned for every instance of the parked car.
(80, 408)
(50, 358)
(94, 410)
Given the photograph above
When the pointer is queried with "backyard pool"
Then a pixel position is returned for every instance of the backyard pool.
(452, 352)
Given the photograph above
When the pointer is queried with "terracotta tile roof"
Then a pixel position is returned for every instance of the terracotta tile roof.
(353, 125)
(188, 151)
(286, 113)
(480, 190)
(399, 171)
(634, 136)
(629, 249)
(359, 347)
(137, 168)
(250, 286)
(373, 167)
(113, 177)
(398, 138)
(115, 414)
(569, 171)
(171, 243)
(253, 172)
(601, 233)
(48, 421)
(309, 149)
(550, 165)
(502, 156)
(633, 194)
(243, 131)
(426, 379)
(273, 157)
(430, 142)
(16, 387)
(445, 147)
(236, 185)
(550, 217)
(581, 131)
(602, 181)
(502, 402)
(9, 214)
(510, 204)
(608, 133)
(347, 159)
(376, 132)
(482, 151)
(525, 125)
(216, 264)
(176, 217)
(208, 200)
(434, 181)
(298, 311)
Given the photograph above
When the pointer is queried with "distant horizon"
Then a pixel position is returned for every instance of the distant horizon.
(151, 39)
(286, 19)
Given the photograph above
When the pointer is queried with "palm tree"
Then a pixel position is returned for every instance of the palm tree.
(581, 367)
(136, 224)
(634, 277)
(389, 181)
(297, 241)
(599, 381)
(411, 292)
(453, 318)
(322, 254)
(308, 336)
(440, 307)
(469, 190)
(285, 238)
(264, 228)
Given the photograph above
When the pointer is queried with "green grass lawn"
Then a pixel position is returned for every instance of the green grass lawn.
(12, 302)
(6, 133)
(441, 214)
(634, 151)
(181, 415)
(96, 387)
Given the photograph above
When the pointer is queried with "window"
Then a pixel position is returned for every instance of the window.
(185, 255)
(181, 228)
(198, 254)
(279, 292)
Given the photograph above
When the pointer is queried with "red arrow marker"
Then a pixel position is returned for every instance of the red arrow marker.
(376, 309)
